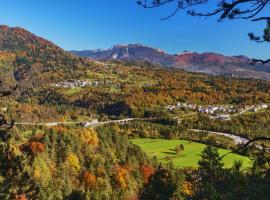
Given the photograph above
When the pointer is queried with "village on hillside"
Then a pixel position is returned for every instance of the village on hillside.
(223, 112)
(71, 84)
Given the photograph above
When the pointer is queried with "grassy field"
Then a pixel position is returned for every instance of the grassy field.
(189, 157)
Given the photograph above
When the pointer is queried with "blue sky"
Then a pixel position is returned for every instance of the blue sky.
(91, 24)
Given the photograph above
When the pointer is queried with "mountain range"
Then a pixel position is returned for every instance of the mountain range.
(33, 57)
(209, 63)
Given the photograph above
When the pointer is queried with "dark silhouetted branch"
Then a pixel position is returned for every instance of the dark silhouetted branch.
(255, 61)
(261, 18)
(241, 9)
(244, 146)
(230, 9)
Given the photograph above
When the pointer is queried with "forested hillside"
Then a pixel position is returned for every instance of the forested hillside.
(34, 70)
(32, 62)
(41, 85)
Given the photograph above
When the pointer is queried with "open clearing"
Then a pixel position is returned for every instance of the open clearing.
(189, 157)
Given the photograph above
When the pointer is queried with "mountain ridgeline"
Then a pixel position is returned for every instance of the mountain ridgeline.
(209, 63)
(33, 69)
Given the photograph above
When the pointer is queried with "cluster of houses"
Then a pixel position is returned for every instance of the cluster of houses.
(207, 109)
(255, 108)
(219, 111)
(80, 83)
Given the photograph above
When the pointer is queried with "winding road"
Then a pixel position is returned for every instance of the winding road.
(84, 122)
(237, 139)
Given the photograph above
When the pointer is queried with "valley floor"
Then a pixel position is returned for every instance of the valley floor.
(165, 152)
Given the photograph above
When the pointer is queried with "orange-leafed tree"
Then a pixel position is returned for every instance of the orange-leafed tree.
(36, 147)
(20, 197)
(60, 129)
(121, 176)
(89, 180)
(147, 171)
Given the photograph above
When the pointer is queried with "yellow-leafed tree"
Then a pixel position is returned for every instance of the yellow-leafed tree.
(89, 136)
(74, 162)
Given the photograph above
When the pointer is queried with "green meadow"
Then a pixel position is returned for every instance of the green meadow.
(164, 150)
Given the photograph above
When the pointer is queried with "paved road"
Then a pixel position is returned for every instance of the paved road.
(236, 139)
(121, 121)
(45, 123)
(240, 113)
(230, 115)
(84, 122)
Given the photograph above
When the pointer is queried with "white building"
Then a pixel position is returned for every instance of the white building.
(3, 109)
(264, 106)
(91, 123)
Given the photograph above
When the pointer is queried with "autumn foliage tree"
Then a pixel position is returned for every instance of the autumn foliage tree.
(89, 136)
(187, 188)
(89, 180)
(74, 162)
(36, 147)
(20, 197)
(163, 184)
(121, 176)
(147, 171)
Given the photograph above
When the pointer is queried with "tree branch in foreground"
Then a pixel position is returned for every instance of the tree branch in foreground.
(255, 61)
(232, 9)
(246, 145)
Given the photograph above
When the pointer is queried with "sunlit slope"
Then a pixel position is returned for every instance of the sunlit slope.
(164, 150)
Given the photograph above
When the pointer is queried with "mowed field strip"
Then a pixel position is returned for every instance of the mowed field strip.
(164, 150)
